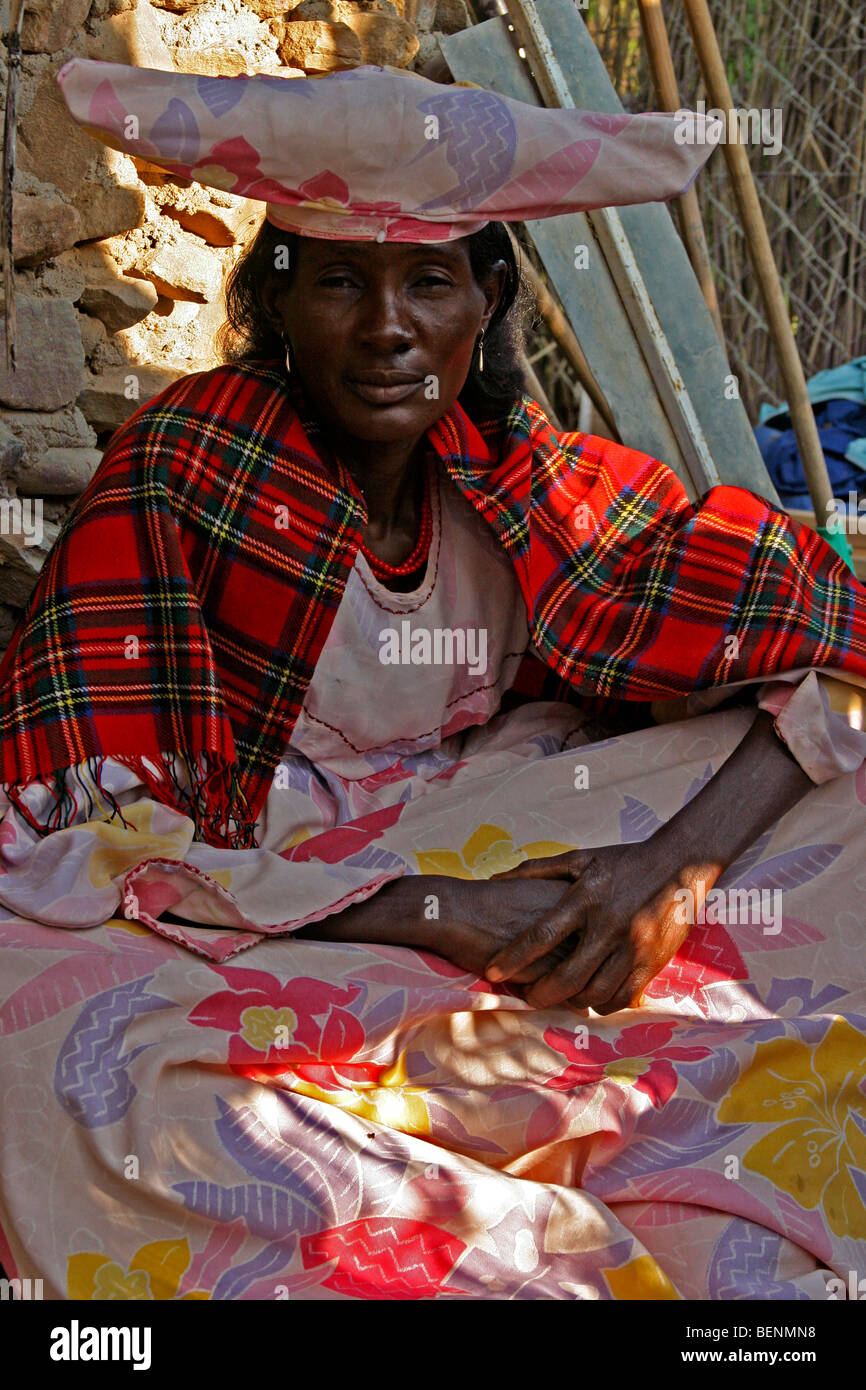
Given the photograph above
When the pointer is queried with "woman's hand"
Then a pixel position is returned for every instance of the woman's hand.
(483, 917)
(620, 916)
(472, 920)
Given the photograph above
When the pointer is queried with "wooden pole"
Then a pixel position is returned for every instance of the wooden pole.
(761, 255)
(13, 70)
(667, 93)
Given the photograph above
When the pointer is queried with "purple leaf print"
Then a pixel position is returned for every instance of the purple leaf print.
(270, 1261)
(785, 871)
(781, 992)
(750, 856)
(267, 1212)
(637, 821)
(743, 1264)
(314, 1167)
(220, 94)
(176, 133)
(691, 1132)
(91, 1081)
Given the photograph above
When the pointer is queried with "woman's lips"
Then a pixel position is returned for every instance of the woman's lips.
(383, 395)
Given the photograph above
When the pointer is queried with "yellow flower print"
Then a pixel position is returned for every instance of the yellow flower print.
(154, 1272)
(264, 1027)
(489, 850)
(111, 1282)
(215, 175)
(391, 1101)
(640, 1279)
(121, 849)
(810, 1095)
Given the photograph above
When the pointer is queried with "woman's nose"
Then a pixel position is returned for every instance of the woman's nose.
(384, 320)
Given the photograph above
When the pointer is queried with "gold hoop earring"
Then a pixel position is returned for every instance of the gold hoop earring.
(288, 344)
(481, 352)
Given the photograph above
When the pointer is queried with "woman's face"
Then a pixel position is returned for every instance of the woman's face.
(382, 334)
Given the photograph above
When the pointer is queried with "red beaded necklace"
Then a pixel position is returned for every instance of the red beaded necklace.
(381, 568)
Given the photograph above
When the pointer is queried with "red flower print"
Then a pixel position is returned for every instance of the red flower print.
(303, 1020)
(628, 1060)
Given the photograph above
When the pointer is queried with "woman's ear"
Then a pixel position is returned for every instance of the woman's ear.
(493, 291)
(269, 295)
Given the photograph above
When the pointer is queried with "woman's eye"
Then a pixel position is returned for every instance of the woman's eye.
(337, 280)
(434, 280)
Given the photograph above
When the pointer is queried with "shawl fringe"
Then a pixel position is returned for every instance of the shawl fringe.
(214, 800)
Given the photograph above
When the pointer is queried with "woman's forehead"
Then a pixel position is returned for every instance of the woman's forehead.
(317, 251)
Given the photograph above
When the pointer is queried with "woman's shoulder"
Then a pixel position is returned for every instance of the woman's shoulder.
(232, 391)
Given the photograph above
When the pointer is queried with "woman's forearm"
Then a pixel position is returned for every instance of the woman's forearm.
(395, 916)
(758, 783)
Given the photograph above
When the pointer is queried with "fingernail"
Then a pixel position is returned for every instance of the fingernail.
(494, 974)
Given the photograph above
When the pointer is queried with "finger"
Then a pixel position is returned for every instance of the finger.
(628, 996)
(554, 866)
(608, 980)
(545, 964)
(570, 978)
(544, 934)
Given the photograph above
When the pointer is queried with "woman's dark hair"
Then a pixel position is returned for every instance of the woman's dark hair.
(249, 335)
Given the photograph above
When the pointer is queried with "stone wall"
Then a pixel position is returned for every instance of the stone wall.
(120, 268)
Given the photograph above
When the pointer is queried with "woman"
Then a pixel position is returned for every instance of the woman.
(349, 561)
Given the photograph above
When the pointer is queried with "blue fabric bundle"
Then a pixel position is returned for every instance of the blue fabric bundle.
(839, 400)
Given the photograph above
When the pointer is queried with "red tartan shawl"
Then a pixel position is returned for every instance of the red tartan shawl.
(186, 600)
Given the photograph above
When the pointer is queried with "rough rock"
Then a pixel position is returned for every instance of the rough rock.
(384, 38)
(49, 353)
(181, 271)
(109, 295)
(134, 37)
(212, 62)
(317, 46)
(37, 431)
(179, 6)
(9, 619)
(340, 11)
(57, 151)
(50, 25)
(154, 177)
(60, 277)
(271, 9)
(60, 473)
(421, 14)
(42, 227)
(219, 219)
(119, 303)
(50, 144)
(11, 451)
(93, 332)
(20, 563)
(452, 16)
(107, 400)
(107, 206)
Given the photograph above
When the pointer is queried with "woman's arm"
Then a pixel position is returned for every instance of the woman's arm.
(626, 902)
(759, 783)
(463, 921)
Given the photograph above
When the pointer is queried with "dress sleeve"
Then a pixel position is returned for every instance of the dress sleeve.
(143, 866)
(819, 715)
(822, 719)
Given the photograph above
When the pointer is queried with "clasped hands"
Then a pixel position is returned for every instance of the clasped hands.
(603, 923)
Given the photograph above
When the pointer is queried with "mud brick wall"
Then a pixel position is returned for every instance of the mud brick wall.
(119, 268)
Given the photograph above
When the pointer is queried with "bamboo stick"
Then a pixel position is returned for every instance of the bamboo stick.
(667, 93)
(13, 70)
(767, 275)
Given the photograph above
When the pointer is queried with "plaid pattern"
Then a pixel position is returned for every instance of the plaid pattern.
(192, 587)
